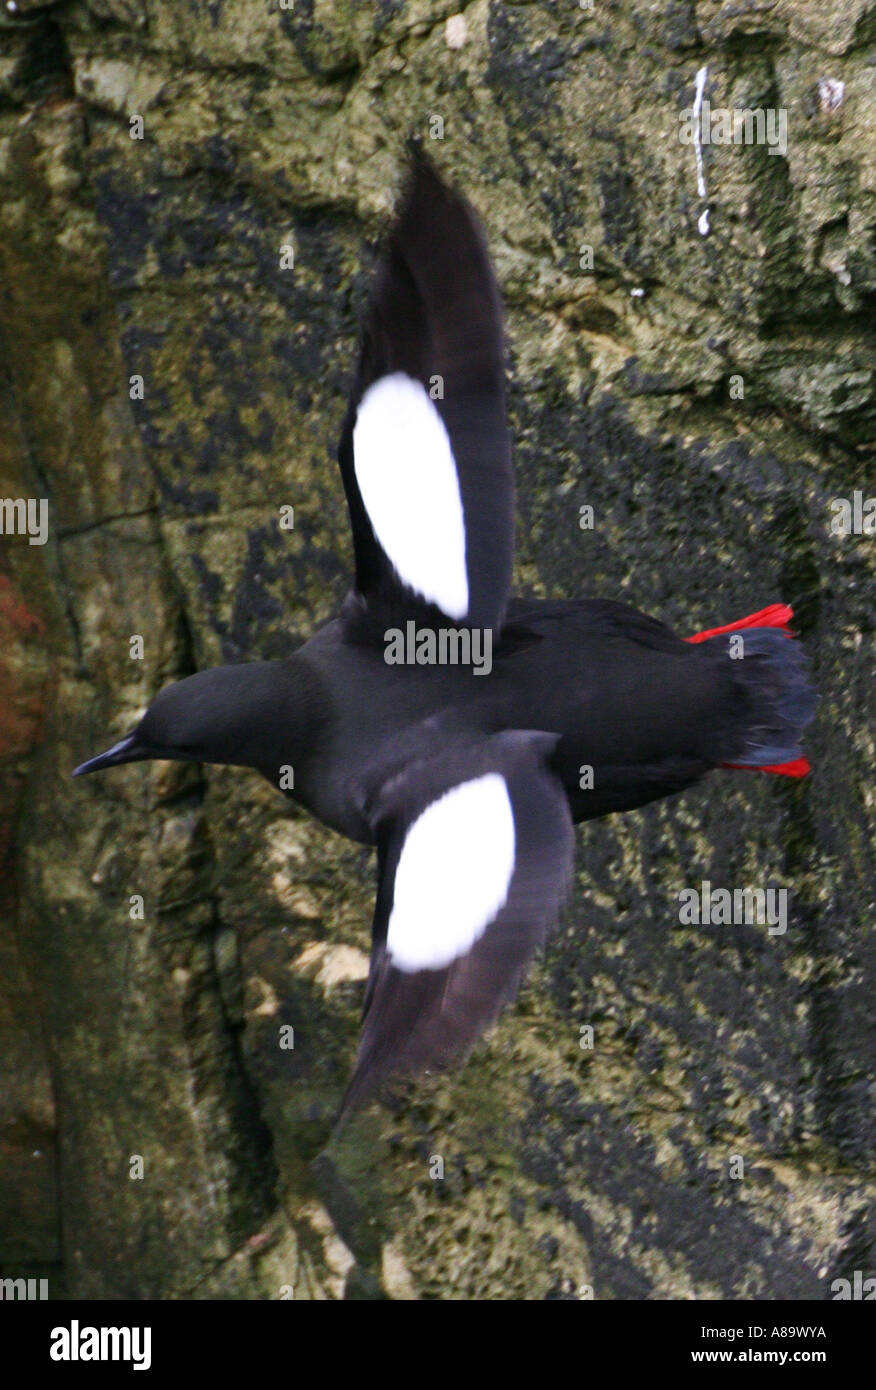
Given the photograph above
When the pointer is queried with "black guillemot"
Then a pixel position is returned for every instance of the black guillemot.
(467, 787)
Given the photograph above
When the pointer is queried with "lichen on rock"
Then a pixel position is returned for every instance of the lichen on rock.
(707, 396)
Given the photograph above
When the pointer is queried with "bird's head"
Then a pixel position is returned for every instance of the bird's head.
(224, 715)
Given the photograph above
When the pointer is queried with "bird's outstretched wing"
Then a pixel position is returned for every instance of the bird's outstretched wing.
(475, 852)
(425, 452)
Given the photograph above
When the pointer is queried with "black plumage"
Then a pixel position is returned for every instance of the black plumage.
(587, 707)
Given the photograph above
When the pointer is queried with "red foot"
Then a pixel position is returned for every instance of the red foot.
(798, 767)
(777, 615)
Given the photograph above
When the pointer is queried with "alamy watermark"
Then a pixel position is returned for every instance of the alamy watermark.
(24, 1289)
(444, 646)
(704, 124)
(857, 1288)
(853, 516)
(734, 907)
(78, 1343)
(25, 516)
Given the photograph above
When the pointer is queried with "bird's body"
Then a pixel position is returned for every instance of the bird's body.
(640, 713)
(459, 730)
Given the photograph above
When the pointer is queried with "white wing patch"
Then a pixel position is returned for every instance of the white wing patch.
(407, 477)
(453, 875)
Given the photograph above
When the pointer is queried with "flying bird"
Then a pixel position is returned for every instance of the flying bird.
(467, 777)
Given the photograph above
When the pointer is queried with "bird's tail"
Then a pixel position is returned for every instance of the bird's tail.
(776, 698)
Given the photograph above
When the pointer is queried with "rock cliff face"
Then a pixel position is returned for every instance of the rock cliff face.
(171, 378)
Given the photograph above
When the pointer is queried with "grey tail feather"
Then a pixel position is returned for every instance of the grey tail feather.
(776, 696)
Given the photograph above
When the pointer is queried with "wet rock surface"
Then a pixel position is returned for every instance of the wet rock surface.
(169, 386)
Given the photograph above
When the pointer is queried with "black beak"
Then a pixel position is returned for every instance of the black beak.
(127, 750)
